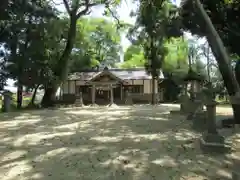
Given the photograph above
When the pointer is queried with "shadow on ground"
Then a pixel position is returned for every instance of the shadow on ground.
(121, 143)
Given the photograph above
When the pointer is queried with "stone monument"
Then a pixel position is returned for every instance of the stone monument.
(211, 140)
(184, 105)
(189, 104)
(7, 100)
(79, 100)
(195, 109)
(128, 99)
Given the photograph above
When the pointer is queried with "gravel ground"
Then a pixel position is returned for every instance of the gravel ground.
(120, 143)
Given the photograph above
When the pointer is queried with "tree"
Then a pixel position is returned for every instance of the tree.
(41, 64)
(133, 57)
(228, 10)
(19, 30)
(75, 10)
(158, 20)
(97, 41)
(176, 59)
(136, 61)
(132, 50)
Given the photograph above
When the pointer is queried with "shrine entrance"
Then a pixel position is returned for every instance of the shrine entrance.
(102, 95)
(106, 88)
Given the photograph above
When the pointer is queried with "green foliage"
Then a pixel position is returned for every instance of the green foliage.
(176, 59)
(225, 15)
(131, 51)
(19, 24)
(97, 41)
(137, 60)
(174, 62)
(21, 36)
(157, 21)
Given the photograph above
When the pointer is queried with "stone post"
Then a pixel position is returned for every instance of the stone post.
(79, 99)
(184, 105)
(212, 141)
(211, 117)
(7, 95)
(128, 99)
(184, 99)
(111, 95)
(161, 95)
(157, 98)
(121, 91)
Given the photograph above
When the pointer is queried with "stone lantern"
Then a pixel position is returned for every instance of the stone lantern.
(193, 83)
(190, 103)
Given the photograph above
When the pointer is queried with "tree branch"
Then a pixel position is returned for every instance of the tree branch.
(114, 16)
(67, 6)
(54, 3)
(87, 5)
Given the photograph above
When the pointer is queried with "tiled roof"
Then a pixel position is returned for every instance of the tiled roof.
(121, 73)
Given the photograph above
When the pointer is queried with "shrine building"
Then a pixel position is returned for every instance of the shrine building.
(110, 85)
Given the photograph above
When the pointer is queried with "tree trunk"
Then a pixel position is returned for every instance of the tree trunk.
(19, 96)
(208, 64)
(153, 91)
(222, 58)
(237, 71)
(49, 96)
(33, 96)
(190, 62)
(63, 66)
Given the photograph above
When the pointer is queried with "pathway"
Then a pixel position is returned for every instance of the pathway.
(125, 143)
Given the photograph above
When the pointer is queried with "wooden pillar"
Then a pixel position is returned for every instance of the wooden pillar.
(161, 94)
(76, 90)
(68, 89)
(111, 94)
(93, 94)
(121, 91)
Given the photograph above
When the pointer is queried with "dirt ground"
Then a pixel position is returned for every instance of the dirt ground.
(120, 143)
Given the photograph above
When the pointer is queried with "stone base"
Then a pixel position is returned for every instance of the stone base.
(177, 112)
(53, 108)
(112, 105)
(128, 101)
(94, 105)
(214, 143)
(79, 105)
